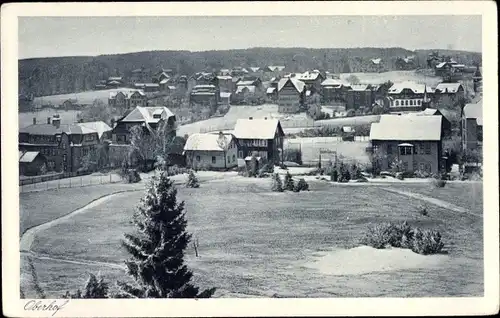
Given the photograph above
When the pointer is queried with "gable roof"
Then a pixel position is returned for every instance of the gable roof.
(206, 142)
(274, 68)
(474, 111)
(308, 76)
(299, 85)
(99, 126)
(145, 114)
(332, 82)
(400, 127)
(376, 61)
(258, 128)
(270, 90)
(360, 87)
(417, 88)
(448, 87)
(250, 88)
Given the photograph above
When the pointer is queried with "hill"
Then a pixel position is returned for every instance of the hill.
(65, 75)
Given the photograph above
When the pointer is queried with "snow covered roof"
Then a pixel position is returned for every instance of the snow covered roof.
(245, 83)
(225, 94)
(359, 87)
(256, 128)
(145, 114)
(308, 76)
(474, 111)
(250, 88)
(204, 86)
(224, 77)
(164, 81)
(270, 90)
(347, 129)
(206, 142)
(274, 68)
(146, 84)
(299, 85)
(448, 87)
(254, 69)
(332, 82)
(376, 61)
(417, 88)
(395, 127)
(28, 156)
(99, 126)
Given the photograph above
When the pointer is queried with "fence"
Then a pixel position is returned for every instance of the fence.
(44, 178)
(72, 182)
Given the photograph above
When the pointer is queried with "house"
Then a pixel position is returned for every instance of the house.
(348, 133)
(160, 76)
(102, 129)
(274, 69)
(334, 91)
(225, 83)
(140, 75)
(264, 137)
(406, 63)
(32, 163)
(114, 81)
(225, 98)
(148, 117)
(239, 71)
(472, 126)
(376, 65)
(214, 151)
(118, 100)
(477, 79)
(147, 87)
(415, 142)
(409, 96)
(358, 96)
(272, 94)
(69, 104)
(448, 95)
(206, 94)
(249, 89)
(137, 98)
(450, 70)
(291, 95)
(63, 145)
(312, 79)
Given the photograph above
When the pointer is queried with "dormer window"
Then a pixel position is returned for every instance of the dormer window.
(157, 116)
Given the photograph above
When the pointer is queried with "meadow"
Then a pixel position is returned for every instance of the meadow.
(253, 242)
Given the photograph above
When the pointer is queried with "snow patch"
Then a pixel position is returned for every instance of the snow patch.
(364, 259)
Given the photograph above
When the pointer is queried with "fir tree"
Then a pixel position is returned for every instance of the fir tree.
(94, 288)
(192, 180)
(289, 184)
(157, 263)
(277, 185)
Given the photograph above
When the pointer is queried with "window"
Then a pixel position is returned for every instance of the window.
(427, 148)
(419, 102)
(405, 166)
(411, 102)
(213, 160)
(89, 137)
(234, 158)
(63, 145)
(422, 148)
(228, 159)
(198, 158)
(65, 158)
(397, 103)
(405, 150)
(428, 167)
(240, 154)
(406, 102)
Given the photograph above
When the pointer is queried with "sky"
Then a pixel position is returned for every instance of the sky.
(81, 36)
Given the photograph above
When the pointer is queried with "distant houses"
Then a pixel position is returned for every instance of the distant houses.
(126, 100)
(204, 94)
(407, 143)
(409, 96)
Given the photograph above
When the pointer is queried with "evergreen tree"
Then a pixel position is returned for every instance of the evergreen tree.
(277, 185)
(301, 186)
(289, 184)
(192, 180)
(157, 263)
(94, 288)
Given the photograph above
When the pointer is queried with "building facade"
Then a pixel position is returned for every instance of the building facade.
(291, 95)
(212, 151)
(409, 96)
(472, 126)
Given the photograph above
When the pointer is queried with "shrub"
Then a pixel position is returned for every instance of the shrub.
(400, 176)
(404, 236)
(334, 176)
(439, 183)
(192, 181)
(264, 171)
(175, 170)
(131, 176)
(277, 185)
(422, 174)
(293, 155)
(301, 186)
(289, 184)
(350, 113)
(423, 210)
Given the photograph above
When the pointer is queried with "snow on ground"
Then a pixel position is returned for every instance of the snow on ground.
(364, 259)
(393, 76)
(81, 98)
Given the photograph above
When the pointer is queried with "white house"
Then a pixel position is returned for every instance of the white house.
(212, 151)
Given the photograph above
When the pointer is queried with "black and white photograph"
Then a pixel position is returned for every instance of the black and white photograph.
(250, 156)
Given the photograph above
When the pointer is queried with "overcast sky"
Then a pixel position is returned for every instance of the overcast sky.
(77, 36)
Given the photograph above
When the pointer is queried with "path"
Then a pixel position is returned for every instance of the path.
(73, 260)
(431, 200)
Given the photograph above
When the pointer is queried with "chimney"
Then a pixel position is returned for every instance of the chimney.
(48, 120)
(250, 118)
(34, 120)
